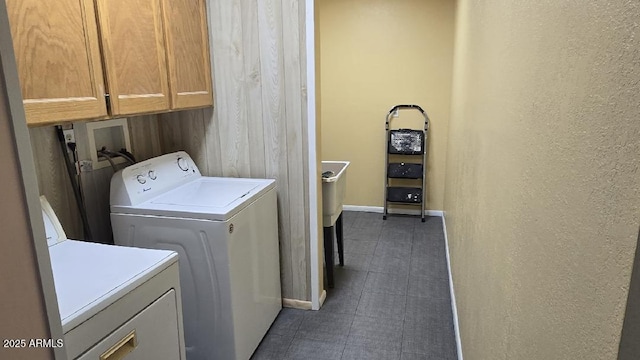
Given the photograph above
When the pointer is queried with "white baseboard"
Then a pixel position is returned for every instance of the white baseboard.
(454, 306)
(380, 209)
(374, 209)
(296, 304)
(323, 297)
(302, 304)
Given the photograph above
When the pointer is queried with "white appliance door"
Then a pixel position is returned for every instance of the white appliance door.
(204, 276)
(229, 274)
(151, 334)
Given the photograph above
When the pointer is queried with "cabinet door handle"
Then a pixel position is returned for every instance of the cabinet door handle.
(121, 348)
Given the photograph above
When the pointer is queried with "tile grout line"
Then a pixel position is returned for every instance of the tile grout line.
(355, 313)
(349, 333)
(404, 319)
(286, 354)
(406, 295)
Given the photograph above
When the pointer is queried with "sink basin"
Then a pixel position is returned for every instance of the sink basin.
(334, 187)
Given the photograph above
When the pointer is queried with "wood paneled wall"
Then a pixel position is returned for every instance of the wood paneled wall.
(257, 129)
(258, 126)
(54, 182)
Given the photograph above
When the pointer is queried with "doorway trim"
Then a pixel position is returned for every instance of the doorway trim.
(314, 251)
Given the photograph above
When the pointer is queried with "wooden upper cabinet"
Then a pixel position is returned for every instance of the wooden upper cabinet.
(132, 37)
(58, 57)
(148, 55)
(187, 40)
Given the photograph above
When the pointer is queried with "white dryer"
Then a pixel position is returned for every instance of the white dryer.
(225, 231)
(115, 301)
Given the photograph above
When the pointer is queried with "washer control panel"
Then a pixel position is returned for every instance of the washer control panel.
(141, 181)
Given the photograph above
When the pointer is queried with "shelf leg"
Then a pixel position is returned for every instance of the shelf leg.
(340, 242)
(328, 254)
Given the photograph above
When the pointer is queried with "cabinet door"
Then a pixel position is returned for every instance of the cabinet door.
(187, 40)
(134, 55)
(58, 57)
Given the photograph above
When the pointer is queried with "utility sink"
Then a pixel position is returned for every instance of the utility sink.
(334, 186)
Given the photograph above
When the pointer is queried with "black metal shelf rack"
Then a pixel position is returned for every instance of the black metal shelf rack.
(412, 143)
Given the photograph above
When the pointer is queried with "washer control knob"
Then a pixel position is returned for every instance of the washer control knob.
(141, 179)
(152, 175)
(183, 164)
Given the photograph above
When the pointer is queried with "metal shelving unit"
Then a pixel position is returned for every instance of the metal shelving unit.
(411, 143)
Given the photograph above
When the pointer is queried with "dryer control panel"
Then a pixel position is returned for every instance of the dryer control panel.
(142, 181)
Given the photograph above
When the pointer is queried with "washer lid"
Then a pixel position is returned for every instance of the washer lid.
(206, 193)
(206, 198)
(89, 277)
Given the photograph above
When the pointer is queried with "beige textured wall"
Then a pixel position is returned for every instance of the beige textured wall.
(543, 189)
(629, 344)
(376, 54)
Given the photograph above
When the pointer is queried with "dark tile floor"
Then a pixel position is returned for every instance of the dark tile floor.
(391, 299)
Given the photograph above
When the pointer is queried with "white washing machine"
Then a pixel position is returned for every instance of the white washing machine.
(115, 301)
(225, 231)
